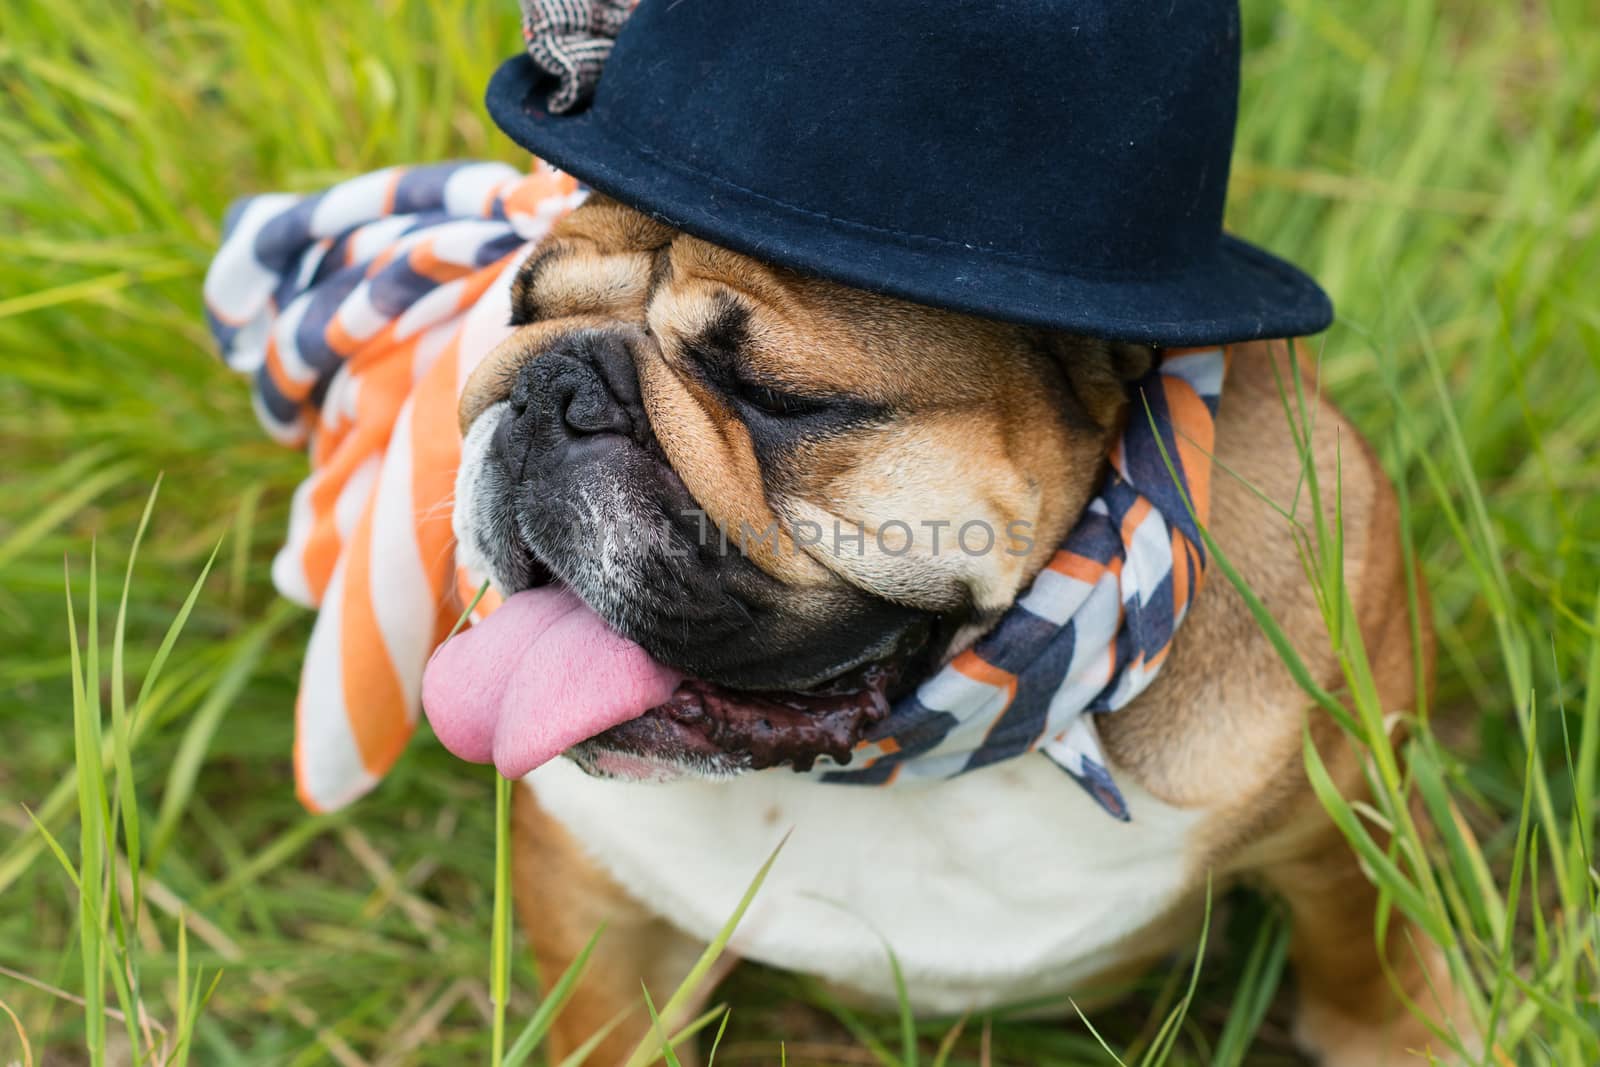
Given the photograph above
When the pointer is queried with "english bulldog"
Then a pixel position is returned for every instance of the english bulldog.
(650, 452)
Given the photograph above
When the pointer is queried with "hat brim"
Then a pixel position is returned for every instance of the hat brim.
(1237, 293)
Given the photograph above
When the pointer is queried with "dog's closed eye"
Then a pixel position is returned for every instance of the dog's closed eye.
(718, 354)
(776, 402)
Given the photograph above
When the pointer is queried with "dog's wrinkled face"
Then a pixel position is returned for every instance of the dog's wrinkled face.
(791, 491)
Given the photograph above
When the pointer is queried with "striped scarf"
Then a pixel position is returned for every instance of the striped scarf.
(359, 313)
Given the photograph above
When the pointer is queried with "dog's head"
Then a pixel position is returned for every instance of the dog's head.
(800, 496)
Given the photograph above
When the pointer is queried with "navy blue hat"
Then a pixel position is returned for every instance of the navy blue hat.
(1059, 163)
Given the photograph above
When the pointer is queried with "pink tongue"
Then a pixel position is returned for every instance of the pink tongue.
(538, 675)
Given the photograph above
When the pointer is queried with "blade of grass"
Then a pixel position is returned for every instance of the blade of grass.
(699, 1023)
(664, 1044)
(91, 820)
(1167, 1037)
(908, 1021)
(947, 1044)
(1116, 1059)
(121, 739)
(1381, 868)
(500, 960)
(691, 983)
(1258, 984)
(550, 1007)
(168, 640)
(716, 1042)
(22, 1034)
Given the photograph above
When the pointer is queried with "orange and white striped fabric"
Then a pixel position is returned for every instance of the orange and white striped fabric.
(359, 312)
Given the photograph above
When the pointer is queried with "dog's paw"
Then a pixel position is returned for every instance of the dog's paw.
(1390, 1034)
(1334, 1039)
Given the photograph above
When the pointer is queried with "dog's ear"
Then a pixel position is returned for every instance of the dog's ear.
(1099, 372)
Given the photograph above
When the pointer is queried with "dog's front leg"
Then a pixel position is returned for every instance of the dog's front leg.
(562, 898)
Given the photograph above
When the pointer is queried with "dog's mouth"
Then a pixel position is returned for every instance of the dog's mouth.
(544, 674)
(717, 730)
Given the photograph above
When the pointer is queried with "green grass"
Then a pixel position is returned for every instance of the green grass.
(1435, 164)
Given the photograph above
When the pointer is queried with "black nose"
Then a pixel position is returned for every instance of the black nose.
(585, 384)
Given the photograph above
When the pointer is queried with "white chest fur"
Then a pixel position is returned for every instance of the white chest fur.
(999, 886)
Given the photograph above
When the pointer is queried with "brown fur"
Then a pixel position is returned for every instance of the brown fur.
(996, 420)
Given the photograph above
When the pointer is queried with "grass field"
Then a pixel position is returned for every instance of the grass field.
(1435, 164)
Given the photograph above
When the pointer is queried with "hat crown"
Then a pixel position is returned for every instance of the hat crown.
(1056, 163)
(1087, 135)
